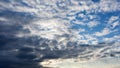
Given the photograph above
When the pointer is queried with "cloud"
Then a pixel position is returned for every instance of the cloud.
(113, 18)
(91, 39)
(113, 22)
(3, 19)
(41, 29)
(104, 32)
(79, 22)
(101, 6)
(109, 5)
(92, 24)
(59, 14)
(81, 30)
(48, 28)
(52, 7)
(112, 39)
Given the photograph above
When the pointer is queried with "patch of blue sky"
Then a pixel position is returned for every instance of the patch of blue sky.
(96, 1)
(5, 0)
(25, 4)
(106, 15)
(101, 17)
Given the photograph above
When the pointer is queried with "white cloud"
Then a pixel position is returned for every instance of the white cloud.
(79, 22)
(111, 39)
(81, 30)
(3, 19)
(48, 28)
(113, 22)
(50, 9)
(92, 24)
(91, 39)
(102, 6)
(109, 5)
(47, 10)
(104, 32)
(37, 6)
(113, 18)
(116, 24)
(86, 39)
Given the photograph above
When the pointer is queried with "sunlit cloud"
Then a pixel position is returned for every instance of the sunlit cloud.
(104, 32)
(92, 24)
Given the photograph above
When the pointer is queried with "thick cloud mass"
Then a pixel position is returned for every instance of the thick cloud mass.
(34, 30)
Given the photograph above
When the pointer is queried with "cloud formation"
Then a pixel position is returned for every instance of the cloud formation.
(31, 31)
(105, 31)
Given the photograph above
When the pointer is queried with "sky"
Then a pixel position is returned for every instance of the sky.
(32, 29)
(85, 21)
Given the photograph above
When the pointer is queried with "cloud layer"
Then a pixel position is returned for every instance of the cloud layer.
(31, 31)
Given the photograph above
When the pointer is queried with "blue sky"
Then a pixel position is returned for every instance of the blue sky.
(85, 21)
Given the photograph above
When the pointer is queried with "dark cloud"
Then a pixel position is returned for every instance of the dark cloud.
(14, 52)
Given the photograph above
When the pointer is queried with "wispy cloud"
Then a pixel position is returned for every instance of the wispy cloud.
(112, 39)
(104, 32)
(48, 28)
(92, 24)
(34, 28)
(3, 19)
(109, 5)
(113, 22)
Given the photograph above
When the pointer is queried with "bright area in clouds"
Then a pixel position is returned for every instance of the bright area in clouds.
(69, 63)
(48, 28)
(80, 19)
